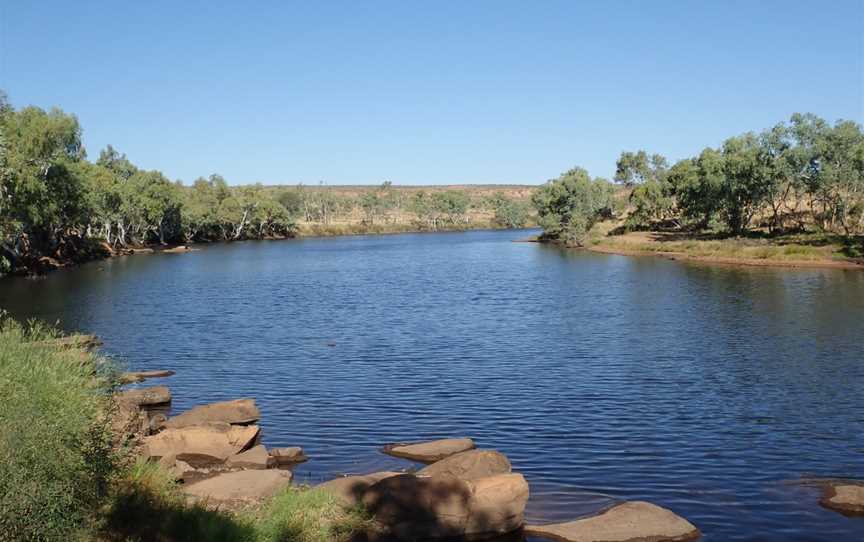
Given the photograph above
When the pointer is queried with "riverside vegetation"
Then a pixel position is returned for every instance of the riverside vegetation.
(791, 193)
(65, 473)
(56, 207)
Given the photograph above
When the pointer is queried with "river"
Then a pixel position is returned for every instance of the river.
(709, 390)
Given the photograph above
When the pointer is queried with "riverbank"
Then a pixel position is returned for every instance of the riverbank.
(132, 473)
(97, 250)
(798, 250)
(791, 251)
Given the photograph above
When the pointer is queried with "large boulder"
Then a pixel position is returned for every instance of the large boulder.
(150, 396)
(201, 445)
(470, 465)
(846, 498)
(253, 458)
(420, 507)
(349, 490)
(288, 456)
(239, 487)
(430, 452)
(497, 505)
(626, 522)
(411, 507)
(238, 411)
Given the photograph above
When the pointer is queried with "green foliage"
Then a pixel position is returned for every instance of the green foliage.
(436, 210)
(509, 213)
(634, 168)
(53, 201)
(571, 204)
(148, 507)
(653, 201)
(55, 455)
(43, 195)
(765, 179)
(308, 515)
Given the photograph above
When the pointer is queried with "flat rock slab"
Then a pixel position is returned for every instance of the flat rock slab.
(470, 465)
(430, 452)
(410, 507)
(349, 490)
(241, 487)
(178, 249)
(848, 499)
(253, 458)
(201, 445)
(238, 411)
(140, 376)
(635, 521)
(150, 396)
(288, 456)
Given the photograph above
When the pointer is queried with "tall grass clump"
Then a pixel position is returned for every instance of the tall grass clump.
(56, 458)
(308, 515)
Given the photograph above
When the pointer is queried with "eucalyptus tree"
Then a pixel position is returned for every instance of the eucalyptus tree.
(44, 198)
(634, 168)
(569, 206)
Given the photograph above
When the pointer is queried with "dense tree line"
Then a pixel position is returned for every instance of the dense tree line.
(802, 174)
(54, 203)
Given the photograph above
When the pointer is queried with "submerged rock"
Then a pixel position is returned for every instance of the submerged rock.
(151, 396)
(288, 456)
(411, 507)
(240, 487)
(177, 250)
(846, 498)
(625, 522)
(253, 458)
(238, 411)
(201, 445)
(470, 465)
(139, 376)
(430, 452)
(350, 489)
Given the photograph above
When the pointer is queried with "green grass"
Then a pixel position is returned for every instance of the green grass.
(307, 515)
(149, 507)
(63, 478)
(791, 248)
(56, 459)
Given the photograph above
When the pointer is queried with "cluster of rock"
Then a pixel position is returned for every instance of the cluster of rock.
(213, 449)
(472, 494)
(461, 493)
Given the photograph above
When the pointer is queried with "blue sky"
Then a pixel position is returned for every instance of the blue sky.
(426, 92)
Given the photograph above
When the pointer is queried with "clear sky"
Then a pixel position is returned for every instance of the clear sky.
(357, 92)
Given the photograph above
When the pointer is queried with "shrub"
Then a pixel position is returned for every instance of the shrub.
(55, 449)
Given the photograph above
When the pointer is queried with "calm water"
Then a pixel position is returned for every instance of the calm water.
(707, 390)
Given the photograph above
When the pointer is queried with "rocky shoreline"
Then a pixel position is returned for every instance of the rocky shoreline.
(215, 452)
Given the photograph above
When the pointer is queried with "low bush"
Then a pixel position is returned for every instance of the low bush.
(56, 459)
